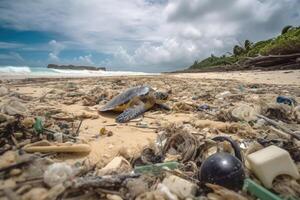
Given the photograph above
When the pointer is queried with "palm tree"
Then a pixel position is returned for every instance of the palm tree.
(286, 29)
(237, 50)
(248, 45)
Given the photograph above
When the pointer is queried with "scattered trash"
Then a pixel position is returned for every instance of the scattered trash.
(245, 113)
(181, 187)
(259, 191)
(142, 125)
(13, 107)
(166, 192)
(55, 145)
(38, 126)
(223, 169)
(203, 107)
(156, 168)
(58, 173)
(271, 162)
(223, 95)
(46, 147)
(117, 166)
(286, 100)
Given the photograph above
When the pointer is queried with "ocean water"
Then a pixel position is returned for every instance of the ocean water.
(26, 71)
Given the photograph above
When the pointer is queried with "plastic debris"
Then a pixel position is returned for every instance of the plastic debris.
(113, 197)
(166, 191)
(58, 173)
(117, 165)
(210, 118)
(245, 113)
(271, 162)
(181, 187)
(38, 125)
(47, 147)
(223, 95)
(142, 125)
(156, 168)
(286, 100)
(222, 169)
(259, 191)
(13, 107)
(203, 107)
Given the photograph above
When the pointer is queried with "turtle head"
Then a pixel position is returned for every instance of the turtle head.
(161, 97)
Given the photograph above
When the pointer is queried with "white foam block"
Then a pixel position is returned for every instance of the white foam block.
(181, 187)
(270, 162)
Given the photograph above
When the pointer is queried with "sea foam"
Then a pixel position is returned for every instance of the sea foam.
(25, 71)
(15, 69)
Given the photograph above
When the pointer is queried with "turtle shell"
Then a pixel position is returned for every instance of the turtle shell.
(125, 97)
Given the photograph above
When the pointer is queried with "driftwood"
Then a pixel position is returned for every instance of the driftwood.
(278, 125)
(18, 164)
(105, 182)
(289, 61)
(261, 58)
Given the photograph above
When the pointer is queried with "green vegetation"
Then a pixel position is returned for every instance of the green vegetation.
(286, 29)
(286, 43)
(214, 61)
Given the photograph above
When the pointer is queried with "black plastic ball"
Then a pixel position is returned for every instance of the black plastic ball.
(223, 169)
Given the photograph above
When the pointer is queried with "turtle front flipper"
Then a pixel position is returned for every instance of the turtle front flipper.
(163, 106)
(131, 113)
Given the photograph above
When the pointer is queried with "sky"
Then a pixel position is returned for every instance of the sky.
(134, 35)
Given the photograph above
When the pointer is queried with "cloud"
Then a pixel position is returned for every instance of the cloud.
(150, 33)
(84, 60)
(56, 48)
(10, 45)
(11, 57)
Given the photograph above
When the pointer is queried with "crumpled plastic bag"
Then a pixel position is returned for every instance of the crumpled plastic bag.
(58, 173)
(245, 112)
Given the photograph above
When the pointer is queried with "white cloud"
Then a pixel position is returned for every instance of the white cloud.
(84, 60)
(9, 45)
(12, 57)
(140, 33)
(56, 48)
(53, 57)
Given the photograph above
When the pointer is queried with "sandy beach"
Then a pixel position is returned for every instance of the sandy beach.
(63, 103)
(268, 77)
(78, 102)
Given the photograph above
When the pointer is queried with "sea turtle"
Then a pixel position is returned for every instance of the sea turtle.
(134, 102)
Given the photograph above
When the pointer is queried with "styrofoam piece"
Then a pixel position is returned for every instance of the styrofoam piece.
(270, 162)
(181, 187)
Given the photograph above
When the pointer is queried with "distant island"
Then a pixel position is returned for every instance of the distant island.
(278, 53)
(75, 67)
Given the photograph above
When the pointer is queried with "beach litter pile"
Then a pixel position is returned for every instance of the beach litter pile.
(219, 140)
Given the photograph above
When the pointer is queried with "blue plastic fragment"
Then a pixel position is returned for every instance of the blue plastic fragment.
(286, 100)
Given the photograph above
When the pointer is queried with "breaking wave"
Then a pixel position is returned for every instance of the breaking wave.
(15, 69)
(25, 71)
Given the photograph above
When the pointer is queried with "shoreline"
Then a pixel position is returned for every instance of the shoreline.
(280, 77)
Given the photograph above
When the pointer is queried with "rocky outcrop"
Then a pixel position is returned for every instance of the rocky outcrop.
(75, 67)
